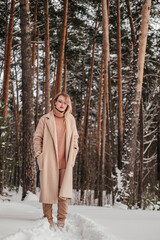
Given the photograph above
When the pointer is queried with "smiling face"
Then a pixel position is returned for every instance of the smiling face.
(61, 104)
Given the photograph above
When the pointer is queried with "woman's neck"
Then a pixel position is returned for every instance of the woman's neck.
(57, 112)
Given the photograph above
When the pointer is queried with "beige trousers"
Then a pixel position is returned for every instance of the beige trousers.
(62, 206)
(61, 212)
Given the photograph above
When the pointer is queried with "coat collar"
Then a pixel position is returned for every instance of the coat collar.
(50, 114)
(51, 124)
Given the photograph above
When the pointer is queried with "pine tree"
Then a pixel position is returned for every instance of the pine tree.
(28, 167)
(133, 110)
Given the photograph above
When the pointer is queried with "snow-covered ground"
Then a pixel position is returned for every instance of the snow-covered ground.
(23, 221)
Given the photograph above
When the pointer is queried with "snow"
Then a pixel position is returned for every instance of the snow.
(22, 220)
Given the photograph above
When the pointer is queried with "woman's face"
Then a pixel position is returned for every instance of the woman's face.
(61, 103)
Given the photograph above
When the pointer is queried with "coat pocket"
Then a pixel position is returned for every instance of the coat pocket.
(75, 151)
(40, 161)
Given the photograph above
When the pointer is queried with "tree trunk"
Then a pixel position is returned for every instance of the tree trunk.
(131, 60)
(37, 87)
(17, 152)
(28, 165)
(17, 122)
(1, 113)
(6, 36)
(74, 102)
(128, 89)
(17, 89)
(120, 110)
(90, 84)
(158, 145)
(34, 39)
(84, 180)
(54, 88)
(43, 92)
(7, 65)
(62, 47)
(105, 97)
(80, 127)
(47, 59)
(99, 131)
(131, 22)
(140, 182)
(129, 154)
(65, 75)
(158, 140)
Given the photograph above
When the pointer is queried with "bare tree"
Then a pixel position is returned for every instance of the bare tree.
(7, 65)
(62, 46)
(105, 126)
(37, 86)
(120, 109)
(34, 38)
(84, 179)
(28, 165)
(99, 131)
(131, 22)
(129, 154)
(47, 59)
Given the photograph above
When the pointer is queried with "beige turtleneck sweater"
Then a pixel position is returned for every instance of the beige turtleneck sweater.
(61, 137)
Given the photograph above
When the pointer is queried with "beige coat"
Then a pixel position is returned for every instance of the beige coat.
(46, 151)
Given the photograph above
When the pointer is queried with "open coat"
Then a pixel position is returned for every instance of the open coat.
(46, 151)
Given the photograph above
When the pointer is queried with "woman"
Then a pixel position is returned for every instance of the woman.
(56, 147)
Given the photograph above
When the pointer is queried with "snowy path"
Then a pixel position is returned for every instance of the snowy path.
(125, 224)
(22, 221)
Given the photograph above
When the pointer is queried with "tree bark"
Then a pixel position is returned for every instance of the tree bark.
(84, 180)
(17, 123)
(17, 152)
(37, 87)
(158, 142)
(88, 98)
(65, 75)
(3, 113)
(28, 165)
(74, 102)
(140, 182)
(105, 97)
(80, 127)
(131, 22)
(133, 113)
(34, 39)
(158, 145)
(47, 59)
(99, 131)
(62, 47)
(43, 91)
(17, 89)
(120, 109)
(7, 65)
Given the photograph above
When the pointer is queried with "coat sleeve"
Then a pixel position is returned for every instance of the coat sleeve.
(75, 136)
(38, 137)
(75, 142)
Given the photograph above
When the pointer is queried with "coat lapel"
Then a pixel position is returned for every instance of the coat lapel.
(51, 124)
(68, 137)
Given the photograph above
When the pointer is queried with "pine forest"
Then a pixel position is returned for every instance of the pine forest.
(105, 55)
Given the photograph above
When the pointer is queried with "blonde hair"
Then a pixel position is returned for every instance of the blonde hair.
(68, 101)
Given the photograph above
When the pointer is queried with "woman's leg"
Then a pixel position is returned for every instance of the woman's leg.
(62, 211)
(47, 211)
(62, 203)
